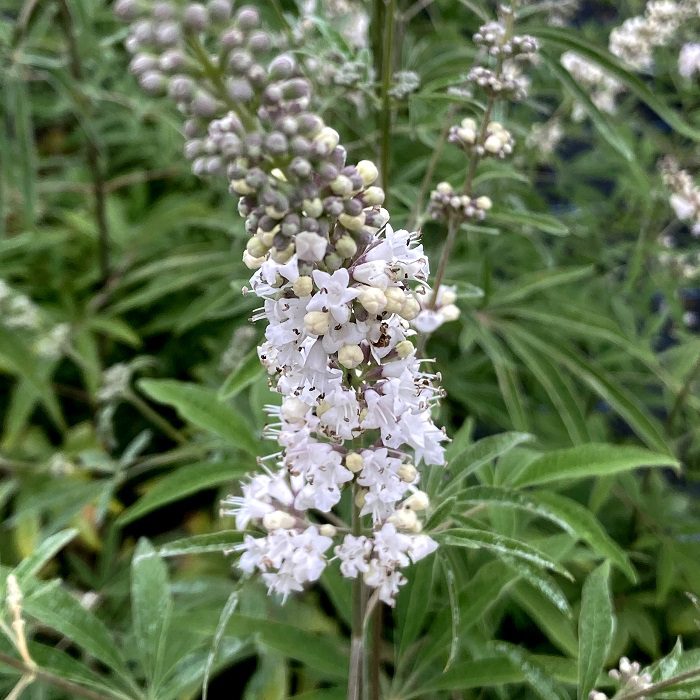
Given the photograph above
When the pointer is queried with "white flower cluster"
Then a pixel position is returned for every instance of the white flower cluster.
(496, 140)
(339, 288)
(637, 37)
(629, 676)
(544, 138)
(602, 87)
(19, 312)
(689, 59)
(685, 194)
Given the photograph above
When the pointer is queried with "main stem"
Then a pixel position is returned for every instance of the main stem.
(387, 71)
(355, 673)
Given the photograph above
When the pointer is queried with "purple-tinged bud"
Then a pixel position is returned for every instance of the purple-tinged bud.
(328, 172)
(257, 75)
(353, 207)
(276, 143)
(267, 223)
(256, 178)
(240, 61)
(204, 105)
(333, 206)
(247, 18)
(290, 228)
(141, 63)
(126, 10)
(167, 33)
(281, 67)
(143, 31)
(219, 10)
(253, 145)
(232, 39)
(280, 241)
(181, 88)
(172, 60)
(357, 183)
(199, 167)
(239, 90)
(191, 128)
(230, 146)
(310, 124)
(300, 167)
(193, 148)
(195, 17)
(300, 146)
(272, 94)
(338, 156)
(309, 224)
(259, 42)
(214, 166)
(163, 11)
(235, 171)
(153, 82)
(289, 126)
(296, 88)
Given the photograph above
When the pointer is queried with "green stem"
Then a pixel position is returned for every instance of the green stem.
(683, 393)
(661, 685)
(387, 71)
(357, 637)
(147, 412)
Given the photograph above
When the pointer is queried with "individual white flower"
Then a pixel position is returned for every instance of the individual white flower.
(333, 295)
(354, 555)
(689, 59)
(310, 246)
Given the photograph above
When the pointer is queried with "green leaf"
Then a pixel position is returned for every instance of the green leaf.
(58, 609)
(530, 284)
(534, 675)
(226, 612)
(32, 565)
(151, 607)
(478, 454)
(482, 673)
(181, 483)
(528, 219)
(594, 459)
(413, 603)
(201, 544)
(499, 544)
(541, 581)
(565, 512)
(201, 406)
(245, 374)
(569, 39)
(595, 629)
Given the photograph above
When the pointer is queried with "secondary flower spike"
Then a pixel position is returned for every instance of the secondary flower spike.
(338, 289)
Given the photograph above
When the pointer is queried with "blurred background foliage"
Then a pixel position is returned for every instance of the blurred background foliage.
(132, 400)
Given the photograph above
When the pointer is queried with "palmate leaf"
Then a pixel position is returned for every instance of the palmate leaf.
(564, 512)
(595, 629)
(201, 406)
(184, 482)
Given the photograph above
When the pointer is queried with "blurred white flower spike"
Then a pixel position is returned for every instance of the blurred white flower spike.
(338, 289)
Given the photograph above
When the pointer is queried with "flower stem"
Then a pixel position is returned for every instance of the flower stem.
(661, 685)
(355, 672)
(387, 70)
(147, 412)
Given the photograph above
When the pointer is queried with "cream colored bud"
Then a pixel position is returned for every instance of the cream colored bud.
(327, 530)
(418, 500)
(466, 135)
(373, 196)
(282, 256)
(368, 171)
(493, 144)
(256, 247)
(395, 299)
(469, 123)
(241, 187)
(274, 213)
(351, 356)
(322, 408)
(418, 527)
(447, 295)
(303, 286)
(444, 188)
(346, 246)
(294, 410)
(484, 203)
(278, 174)
(268, 237)
(354, 462)
(352, 223)
(360, 499)
(407, 473)
(278, 520)
(328, 138)
(450, 312)
(373, 300)
(410, 309)
(496, 127)
(404, 349)
(252, 263)
(317, 322)
(313, 207)
(404, 519)
(342, 185)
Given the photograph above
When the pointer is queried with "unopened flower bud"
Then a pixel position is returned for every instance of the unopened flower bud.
(407, 473)
(342, 185)
(484, 203)
(395, 299)
(327, 139)
(282, 255)
(368, 171)
(493, 144)
(373, 196)
(404, 349)
(351, 356)
(195, 17)
(449, 312)
(360, 498)
(317, 322)
(247, 17)
(373, 300)
(256, 247)
(219, 10)
(126, 9)
(294, 410)
(251, 262)
(303, 286)
(313, 207)
(354, 462)
(333, 262)
(327, 530)
(410, 309)
(346, 247)
(404, 519)
(278, 520)
(352, 223)
(417, 501)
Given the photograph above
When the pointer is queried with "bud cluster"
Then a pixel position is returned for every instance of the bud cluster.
(629, 676)
(339, 289)
(685, 194)
(602, 87)
(445, 203)
(493, 36)
(495, 141)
